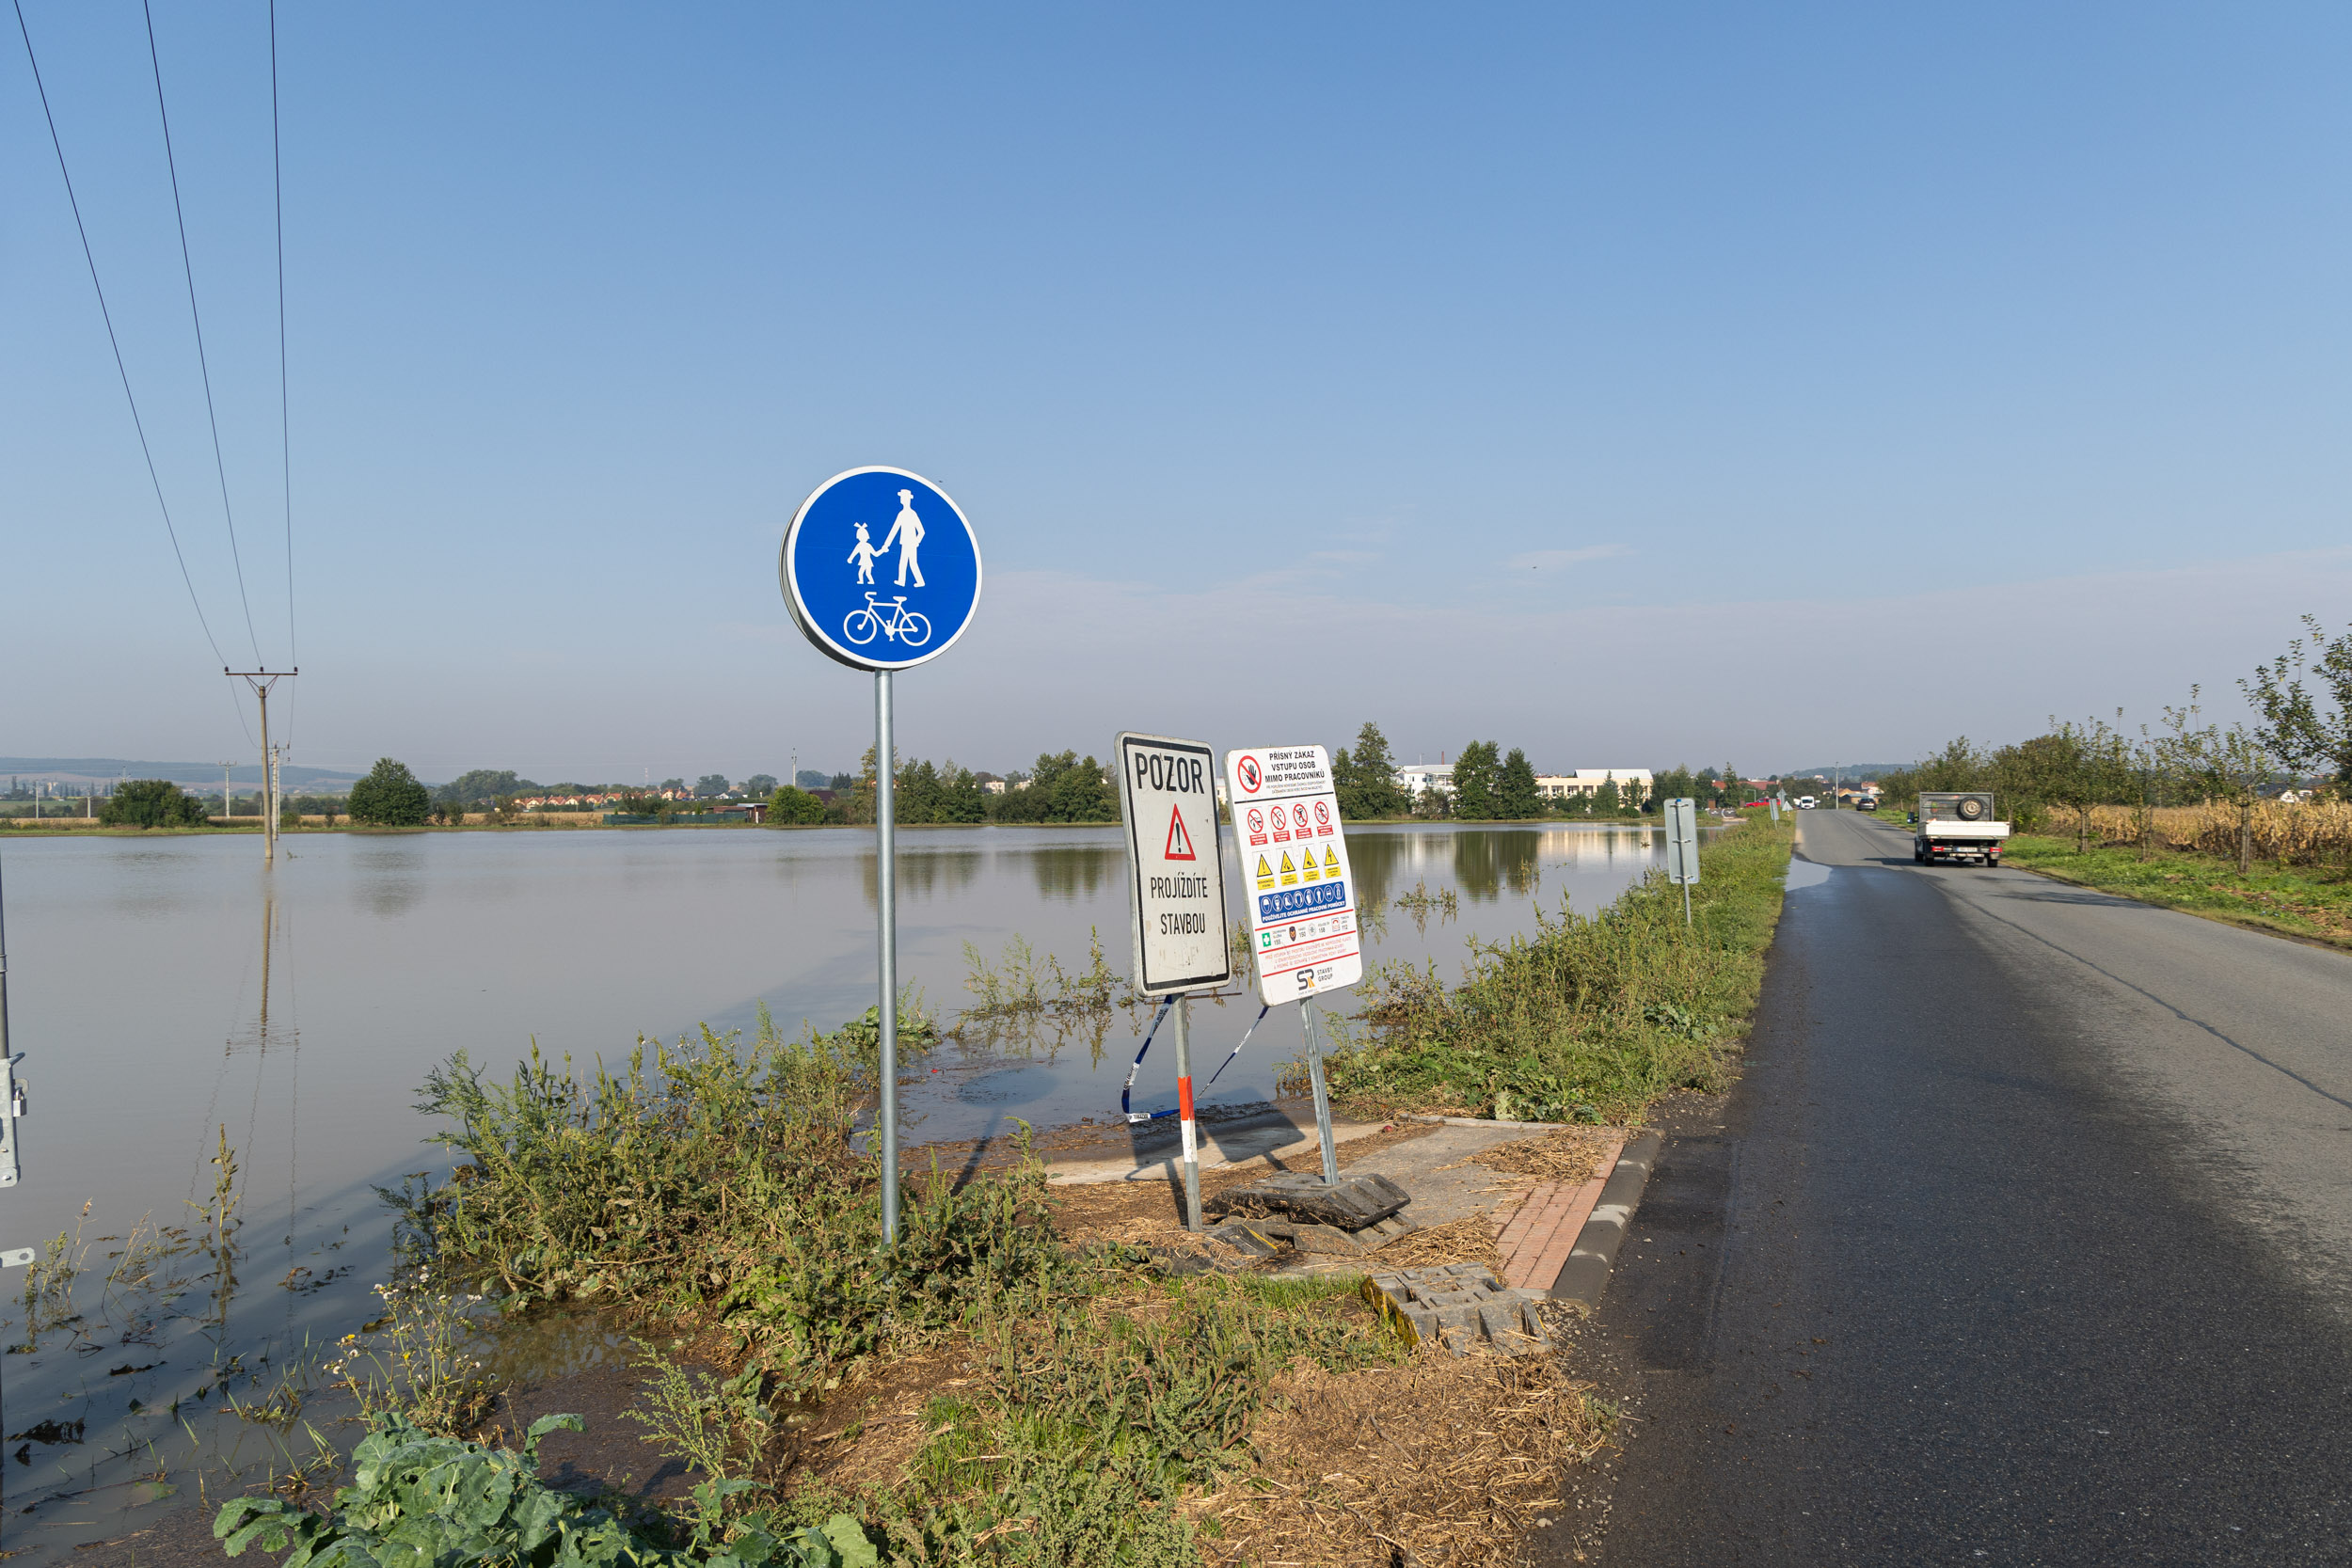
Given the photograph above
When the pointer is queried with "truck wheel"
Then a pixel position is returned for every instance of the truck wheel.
(1970, 809)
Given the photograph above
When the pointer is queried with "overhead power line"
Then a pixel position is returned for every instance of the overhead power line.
(90, 260)
(203, 364)
(285, 438)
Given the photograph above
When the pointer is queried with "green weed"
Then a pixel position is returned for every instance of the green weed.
(1018, 984)
(1589, 1018)
(418, 1359)
(720, 1184)
(416, 1497)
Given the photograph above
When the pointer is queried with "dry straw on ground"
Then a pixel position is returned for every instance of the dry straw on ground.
(1468, 1240)
(1445, 1463)
(1568, 1154)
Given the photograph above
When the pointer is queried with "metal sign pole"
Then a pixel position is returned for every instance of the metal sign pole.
(828, 571)
(1686, 903)
(886, 881)
(1323, 1096)
(8, 1164)
(1184, 1113)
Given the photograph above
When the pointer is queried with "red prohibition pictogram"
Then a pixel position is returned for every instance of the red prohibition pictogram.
(1322, 814)
(1250, 778)
(1299, 815)
(1257, 820)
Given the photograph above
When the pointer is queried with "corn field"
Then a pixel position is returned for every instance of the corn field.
(2313, 833)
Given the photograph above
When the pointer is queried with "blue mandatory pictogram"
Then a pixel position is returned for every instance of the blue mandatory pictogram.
(1274, 906)
(881, 569)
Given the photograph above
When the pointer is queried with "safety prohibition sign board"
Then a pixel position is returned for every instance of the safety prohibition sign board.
(1294, 863)
(1168, 795)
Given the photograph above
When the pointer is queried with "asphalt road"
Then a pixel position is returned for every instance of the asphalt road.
(2025, 1238)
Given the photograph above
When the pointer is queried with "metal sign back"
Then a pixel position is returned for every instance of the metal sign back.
(1168, 795)
(1682, 840)
(1295, 872)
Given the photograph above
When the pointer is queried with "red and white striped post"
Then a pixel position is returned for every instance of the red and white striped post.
(1184, 1114)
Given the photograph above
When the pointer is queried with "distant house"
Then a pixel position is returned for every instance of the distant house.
(1418, 778)
(1588, 781)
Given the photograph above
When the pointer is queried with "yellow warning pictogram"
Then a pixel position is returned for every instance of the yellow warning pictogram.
(1266, 873)
(1331, 862)
(1289, 871)
(1315, 873)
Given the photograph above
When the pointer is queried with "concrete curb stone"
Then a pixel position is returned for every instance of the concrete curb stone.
(1585, 1274)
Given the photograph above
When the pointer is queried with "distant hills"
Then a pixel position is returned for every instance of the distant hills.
(1851, 770)
(101, 769)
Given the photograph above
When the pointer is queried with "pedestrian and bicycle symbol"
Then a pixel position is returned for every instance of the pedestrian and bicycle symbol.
(831, 569)
(892, 621)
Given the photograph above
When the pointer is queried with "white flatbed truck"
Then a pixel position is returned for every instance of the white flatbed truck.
(1957, 826)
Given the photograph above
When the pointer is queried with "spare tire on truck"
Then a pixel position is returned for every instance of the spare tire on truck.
(1970, 809)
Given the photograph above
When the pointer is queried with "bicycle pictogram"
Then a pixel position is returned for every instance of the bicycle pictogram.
(898, 622)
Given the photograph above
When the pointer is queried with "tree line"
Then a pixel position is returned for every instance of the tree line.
(1059, 787)
(1494, 785)
(2301, 729)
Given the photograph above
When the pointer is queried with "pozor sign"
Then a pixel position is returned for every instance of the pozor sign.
(881, 572)
(1168, 795)
(1176, 874)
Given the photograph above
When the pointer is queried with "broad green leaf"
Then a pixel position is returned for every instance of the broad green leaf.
(848, 1538)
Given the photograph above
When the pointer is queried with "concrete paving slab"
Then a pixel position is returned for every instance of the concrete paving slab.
(1433, 1169)
(1275, 1139)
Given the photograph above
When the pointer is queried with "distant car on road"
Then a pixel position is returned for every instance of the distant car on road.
(1806, 802)
(1867, 803)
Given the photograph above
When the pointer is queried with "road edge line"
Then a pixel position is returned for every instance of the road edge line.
(1585, 1274)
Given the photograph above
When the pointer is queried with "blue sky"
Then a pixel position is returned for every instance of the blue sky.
(1631, 384)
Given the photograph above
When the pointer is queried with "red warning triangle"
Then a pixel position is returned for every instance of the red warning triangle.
(1178, 842)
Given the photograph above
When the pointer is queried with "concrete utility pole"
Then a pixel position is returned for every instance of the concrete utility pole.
(226, 808)
(8, 1070)
(261, 681)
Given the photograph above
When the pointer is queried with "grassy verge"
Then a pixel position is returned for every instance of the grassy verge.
(2311, 901)
(1590, 1018)
(985, 1389)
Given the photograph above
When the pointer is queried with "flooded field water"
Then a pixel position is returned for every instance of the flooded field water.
(172, 999)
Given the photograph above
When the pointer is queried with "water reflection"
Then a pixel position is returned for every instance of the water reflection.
(925, 872)
(391, 883)
(1066, 873)
(1486, 862)
(194, 1308)
(1376, 859)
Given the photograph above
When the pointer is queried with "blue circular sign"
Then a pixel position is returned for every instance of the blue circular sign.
(881, 569)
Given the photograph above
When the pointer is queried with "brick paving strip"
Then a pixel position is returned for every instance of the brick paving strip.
(1542, 1231)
